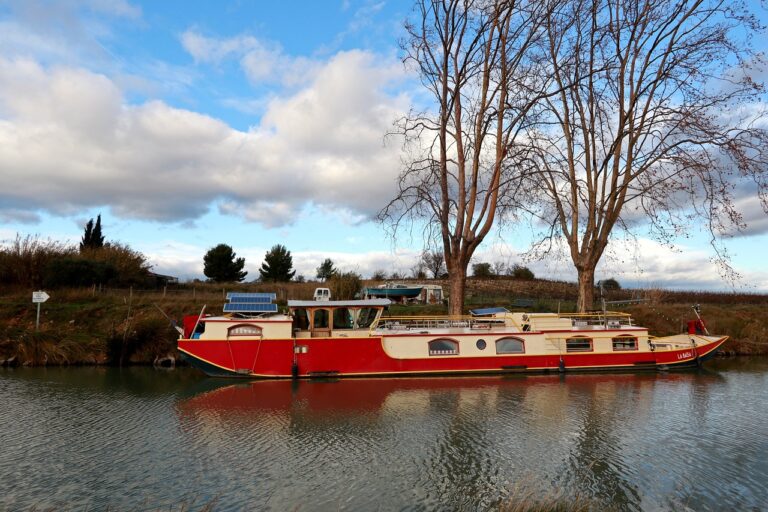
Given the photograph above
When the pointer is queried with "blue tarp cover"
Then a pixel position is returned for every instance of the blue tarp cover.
(488, 311)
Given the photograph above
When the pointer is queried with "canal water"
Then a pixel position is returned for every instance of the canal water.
(143, 439)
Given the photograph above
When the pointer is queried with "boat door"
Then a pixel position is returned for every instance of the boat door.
(321, 323)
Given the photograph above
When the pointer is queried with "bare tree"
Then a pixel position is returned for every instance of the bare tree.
(418, 270)
(474, 58)
(500, 268)
(434, 262)
(657, 123)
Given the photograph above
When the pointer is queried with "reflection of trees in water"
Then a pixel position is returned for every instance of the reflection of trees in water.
(453, 443)
(596, 467)
(463, 467)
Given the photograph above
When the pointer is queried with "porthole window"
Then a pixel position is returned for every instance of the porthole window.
(624, 343)
(443, 347)
(481, 344)
(510, 346)
(578, 344)
(244, 330)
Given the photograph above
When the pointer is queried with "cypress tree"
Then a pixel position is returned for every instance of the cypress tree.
(92, 237)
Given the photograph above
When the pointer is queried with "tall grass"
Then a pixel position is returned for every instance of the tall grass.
(23, 260)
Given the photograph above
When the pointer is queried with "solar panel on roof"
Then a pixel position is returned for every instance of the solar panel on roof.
(263, 298)
(249, 307)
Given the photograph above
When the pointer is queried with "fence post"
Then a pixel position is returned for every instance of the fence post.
(130, 292)
(165, 289)
(194, 293)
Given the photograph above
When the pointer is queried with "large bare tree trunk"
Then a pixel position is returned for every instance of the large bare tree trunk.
(586, 288)
(658, 115)
(462, 155)
(457, 283)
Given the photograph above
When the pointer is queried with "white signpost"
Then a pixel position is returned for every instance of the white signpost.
(38, 298)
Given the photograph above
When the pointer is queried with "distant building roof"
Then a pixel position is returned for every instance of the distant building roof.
(163, 276)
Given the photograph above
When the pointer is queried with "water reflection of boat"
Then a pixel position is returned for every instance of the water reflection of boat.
(542, 394)
(353, 338)
(451, 440)
(326, 396)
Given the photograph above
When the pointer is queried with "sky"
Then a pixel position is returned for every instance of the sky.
(189, 124)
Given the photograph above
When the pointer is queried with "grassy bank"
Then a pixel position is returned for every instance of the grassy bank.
(125, 326)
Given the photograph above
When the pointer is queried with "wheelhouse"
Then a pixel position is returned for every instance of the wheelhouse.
(331, 318)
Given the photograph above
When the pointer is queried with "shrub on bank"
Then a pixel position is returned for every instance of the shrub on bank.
(73, 272)
(145, 341)
(345, 285)
(23, 260)
(521, 272)
(33, 262)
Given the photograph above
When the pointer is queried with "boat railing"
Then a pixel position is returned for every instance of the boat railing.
(425, 323)
(608, 319)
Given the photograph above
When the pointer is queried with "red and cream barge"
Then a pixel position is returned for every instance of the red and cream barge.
(354, 339)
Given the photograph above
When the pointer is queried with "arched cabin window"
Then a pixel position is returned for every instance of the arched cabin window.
(624, 342)
(320, 318)
(578, 344)
(243, 330)
(510, 346)
(443, 347)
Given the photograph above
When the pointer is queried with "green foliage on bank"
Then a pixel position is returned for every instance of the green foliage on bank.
(34, 262)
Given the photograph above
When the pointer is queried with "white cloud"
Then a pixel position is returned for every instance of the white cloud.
(69, 141)
(211, 50)
(644, 263)
(62, 30)
(263, 62)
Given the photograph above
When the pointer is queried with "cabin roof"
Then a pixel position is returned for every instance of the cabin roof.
(338, 303)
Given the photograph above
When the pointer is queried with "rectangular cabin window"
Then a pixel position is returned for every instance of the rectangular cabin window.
(320, 320)
(578, 345)
(342, 318)
(624, 343)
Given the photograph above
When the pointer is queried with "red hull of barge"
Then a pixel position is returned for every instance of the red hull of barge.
(330, 357)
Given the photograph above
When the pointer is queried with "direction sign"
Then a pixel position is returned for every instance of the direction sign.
(38, 297)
